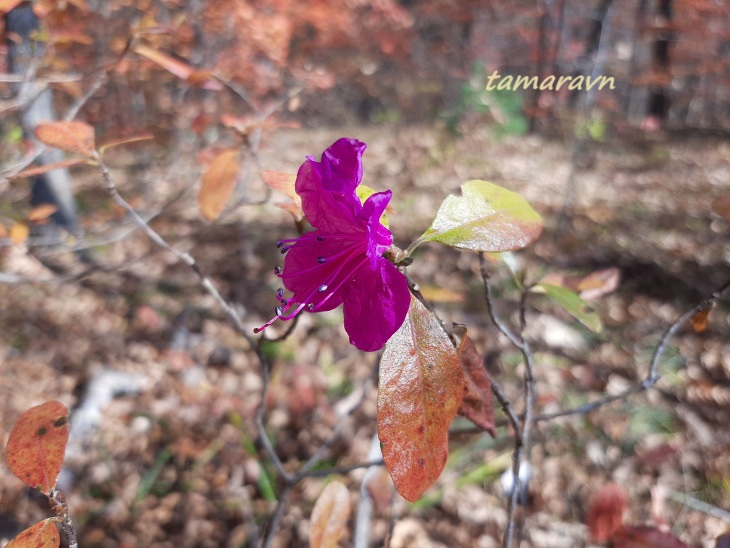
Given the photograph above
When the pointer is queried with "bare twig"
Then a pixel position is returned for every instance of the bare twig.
(522, 433)
(653, 375)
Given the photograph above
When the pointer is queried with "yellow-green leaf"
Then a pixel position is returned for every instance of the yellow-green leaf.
(486, 217)
(573, 304)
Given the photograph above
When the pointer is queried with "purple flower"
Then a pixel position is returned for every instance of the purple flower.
(342, 260)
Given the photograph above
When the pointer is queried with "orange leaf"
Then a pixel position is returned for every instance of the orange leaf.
(37, 445)
(477, 403)
(218, 183)
(43, 534)
(176, 67)
(19, 232)
(699, 320)
(71, 136)
(33, 171)
(41, 212)
(645, 537)
(606, 512)
(329, 516)
(420, 390)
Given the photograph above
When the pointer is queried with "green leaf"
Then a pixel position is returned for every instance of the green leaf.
(573, 304)
(420, 390)
(485, 218)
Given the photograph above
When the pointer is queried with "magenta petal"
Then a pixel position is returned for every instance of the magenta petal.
(379, 237)
(342, 165)
(375, 306)
(331, 211)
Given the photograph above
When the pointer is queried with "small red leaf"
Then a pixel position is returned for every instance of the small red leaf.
(421, 388)
(329, 516)
(477, 403)
(43, 534)
(218, 183)
(605, 514)
(71, 136)
(599, 283)
(645, 537)
(37, 445)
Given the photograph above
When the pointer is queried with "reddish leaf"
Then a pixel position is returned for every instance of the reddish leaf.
(43, 534)
(477, 403)
(699, 320)
(218, 183)
(721, 206)
(645, 537)
(605, 514)
(33, 171)
(329, 516)
(421, 388)
(71, 136)
(37, 445)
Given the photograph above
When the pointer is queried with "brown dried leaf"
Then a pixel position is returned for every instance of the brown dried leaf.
(599, 283)
(605, 515)
(73, 136)
(37, 445)
(41, 212)
(329, 516)
(43, 534)
(477, 403)
(420, 390)
(721, 206)
(218, 183)
(179, 68)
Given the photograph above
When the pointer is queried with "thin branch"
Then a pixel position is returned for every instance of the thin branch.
(522, 434)
(653, 375)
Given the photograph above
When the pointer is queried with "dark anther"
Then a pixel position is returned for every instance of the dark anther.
(322, 288)
(277, 270)
(310, 306)
(321, 260)
(280, 293)
(279, 311)
(279, 244)
(285, 249)
(320, 239)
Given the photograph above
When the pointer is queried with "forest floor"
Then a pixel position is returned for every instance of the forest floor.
(163, 392)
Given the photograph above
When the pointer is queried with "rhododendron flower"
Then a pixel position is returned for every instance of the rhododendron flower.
(342, 260)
